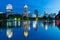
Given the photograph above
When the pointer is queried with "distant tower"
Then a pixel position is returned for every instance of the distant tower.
(9, 9)
(25, 10)
(36, 13)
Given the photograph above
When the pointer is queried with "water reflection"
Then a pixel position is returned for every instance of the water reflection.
(27, 26)
(9, 33)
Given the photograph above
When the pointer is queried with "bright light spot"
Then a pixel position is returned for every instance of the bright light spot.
(46, 27)
(9, 33)
(19, 23)
(25, 23)
(15, 18)
(25, 33)
(34, 24)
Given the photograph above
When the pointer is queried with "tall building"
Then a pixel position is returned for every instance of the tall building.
(26, 12)
(9, 8)
(36, 12)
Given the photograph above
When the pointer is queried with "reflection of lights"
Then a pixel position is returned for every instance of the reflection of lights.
(34, 24)
(46, 27)
(8, 23)
(36, 19)
(28, 27)
(15, 23)
(9, 33)
(25, 23)
(18, 21)
(25, 33)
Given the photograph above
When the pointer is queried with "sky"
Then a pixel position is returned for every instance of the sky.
(52, 6)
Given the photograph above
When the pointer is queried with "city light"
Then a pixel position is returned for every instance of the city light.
(46, 27)
(9, 33)
(25, 33)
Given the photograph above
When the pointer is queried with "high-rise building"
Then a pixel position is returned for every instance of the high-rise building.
(9, 8)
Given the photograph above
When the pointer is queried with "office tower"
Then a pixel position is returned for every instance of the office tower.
(9, 15)
(9, 9)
